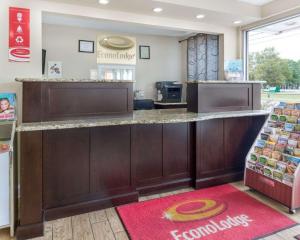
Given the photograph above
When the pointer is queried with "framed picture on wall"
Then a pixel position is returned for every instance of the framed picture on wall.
(54, 69)
(144, 52)
(86, 46)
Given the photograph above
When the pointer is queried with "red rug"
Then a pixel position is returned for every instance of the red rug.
(217, 213)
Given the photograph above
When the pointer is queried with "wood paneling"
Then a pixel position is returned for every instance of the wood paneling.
(175, 150)
(210, 148)
(236, 142)
(223, 97)
(31, 198)
(147, 153)
(59, 101)
(32, 102)
(66, 166)
(68, 172)
(110, 159)
(221, 148)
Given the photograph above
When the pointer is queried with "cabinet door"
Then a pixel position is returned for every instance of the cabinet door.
(236, 136)
(209, 148)
(175, 150)
(110, 160)
(147, 153)
(66, 166)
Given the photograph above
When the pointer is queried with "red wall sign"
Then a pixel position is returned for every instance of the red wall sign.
(19, 34)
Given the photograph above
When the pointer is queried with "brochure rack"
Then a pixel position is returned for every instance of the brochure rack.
(273, 162)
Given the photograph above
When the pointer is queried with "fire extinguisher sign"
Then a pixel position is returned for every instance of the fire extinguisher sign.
(19, 34)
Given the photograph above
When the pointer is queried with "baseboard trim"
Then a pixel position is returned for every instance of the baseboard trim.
(218, 180)
(29, 231)
(89, 206)
(170, 185)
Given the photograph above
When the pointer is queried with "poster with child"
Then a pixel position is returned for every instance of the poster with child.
(7, 106)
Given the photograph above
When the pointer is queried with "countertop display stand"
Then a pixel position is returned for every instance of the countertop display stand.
(273, 162)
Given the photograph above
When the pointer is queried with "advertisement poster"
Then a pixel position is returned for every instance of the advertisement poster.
(233, 69)
(7, 106)
(113, 49)
(19, 35)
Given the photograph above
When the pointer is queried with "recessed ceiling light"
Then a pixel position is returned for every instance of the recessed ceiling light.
(104, 2)
(157, 10)
(200, 16)
(237, 22)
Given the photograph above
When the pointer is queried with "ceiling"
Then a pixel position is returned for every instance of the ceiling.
(217, 12)
(110, 26)
(257, 2)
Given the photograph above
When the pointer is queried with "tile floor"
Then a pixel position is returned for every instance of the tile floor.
(106, 225)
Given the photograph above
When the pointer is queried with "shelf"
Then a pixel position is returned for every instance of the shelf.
(277, 161)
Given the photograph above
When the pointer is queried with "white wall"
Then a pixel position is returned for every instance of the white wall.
(8, 71)
(61, 43)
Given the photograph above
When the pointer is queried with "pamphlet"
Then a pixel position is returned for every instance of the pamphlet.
(7, 106)
(276, 153)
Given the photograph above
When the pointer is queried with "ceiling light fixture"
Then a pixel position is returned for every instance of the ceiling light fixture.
(200, 16)
(237, 22)
(104, 2)
(157, 10)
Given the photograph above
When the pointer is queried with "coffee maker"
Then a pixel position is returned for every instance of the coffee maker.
(169, 91)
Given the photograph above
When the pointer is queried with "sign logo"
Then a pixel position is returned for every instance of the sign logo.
(116, 50)
(117, 42)
(196, 209)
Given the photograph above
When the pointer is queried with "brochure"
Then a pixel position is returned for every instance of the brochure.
(276, 153)
(7, 106)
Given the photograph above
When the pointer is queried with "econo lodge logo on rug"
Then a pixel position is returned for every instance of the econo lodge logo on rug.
(202, 209)
(192, 210)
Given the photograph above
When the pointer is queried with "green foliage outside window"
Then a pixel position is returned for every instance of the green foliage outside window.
(268, 66)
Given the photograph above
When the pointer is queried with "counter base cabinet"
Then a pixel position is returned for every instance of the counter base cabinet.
(66, 167)
(74, 171)
(31, 197)
(162, 156)
(86, 168)
(221, 147)
(111, 164)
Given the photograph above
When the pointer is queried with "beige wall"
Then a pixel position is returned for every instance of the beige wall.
(8, 71)
(61, 43)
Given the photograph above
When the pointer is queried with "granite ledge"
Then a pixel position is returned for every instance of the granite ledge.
(224, 81)
(58, 80)
(138, 117)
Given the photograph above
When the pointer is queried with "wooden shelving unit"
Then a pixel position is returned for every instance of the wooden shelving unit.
(273, 163)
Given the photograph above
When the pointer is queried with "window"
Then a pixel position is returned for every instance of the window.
(272, 54)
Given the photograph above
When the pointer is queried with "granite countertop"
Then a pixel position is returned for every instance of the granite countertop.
(173, 103)
(224, 81)
(138, 117)
(71, 80)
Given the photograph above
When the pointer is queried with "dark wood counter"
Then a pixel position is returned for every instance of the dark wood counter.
(69, 169)
(220, 96)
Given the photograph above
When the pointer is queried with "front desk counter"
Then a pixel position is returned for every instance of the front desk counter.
(75, 166)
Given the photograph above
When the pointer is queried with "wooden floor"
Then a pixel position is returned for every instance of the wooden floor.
(106, 225)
